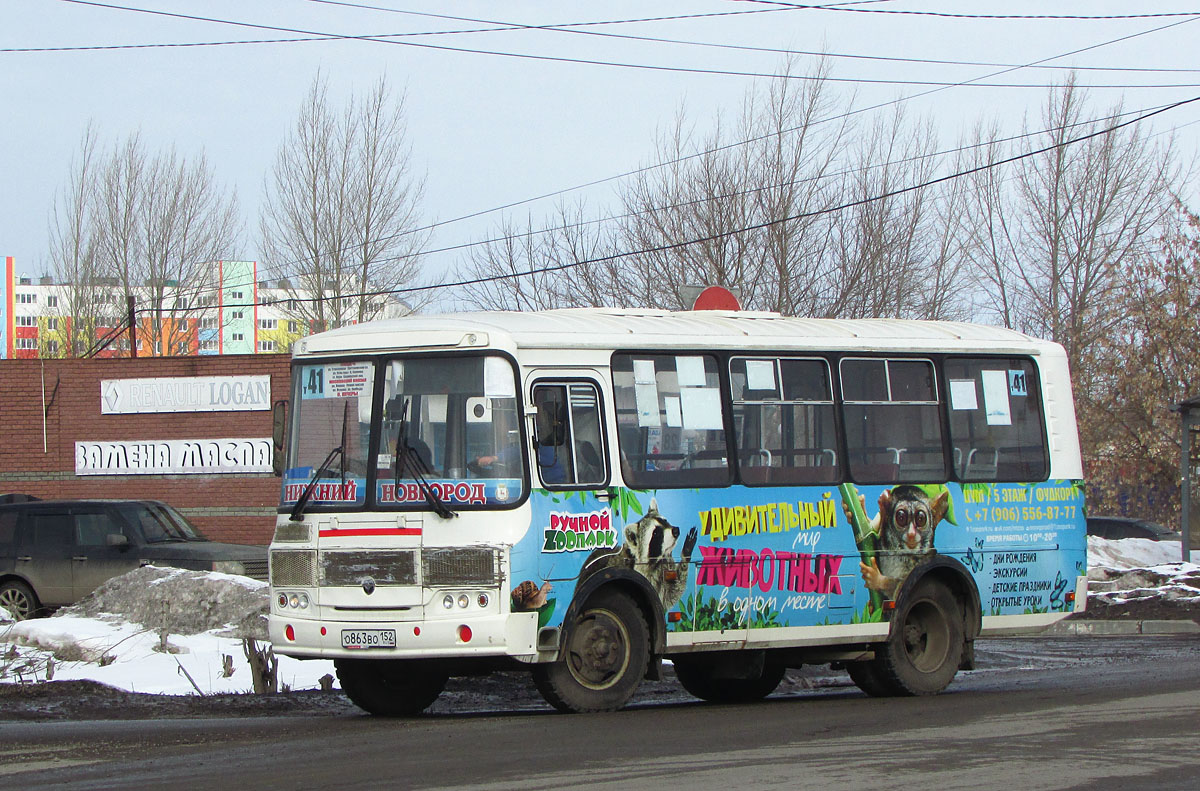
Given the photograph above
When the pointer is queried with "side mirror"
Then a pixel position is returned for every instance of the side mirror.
(278, 435)
(117, 540)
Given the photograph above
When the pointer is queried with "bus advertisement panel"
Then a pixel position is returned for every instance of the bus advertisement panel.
(761, 558)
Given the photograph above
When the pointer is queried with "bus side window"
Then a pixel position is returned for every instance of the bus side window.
(996, 424)
(893, 421)
(670, 421)
(783, 414)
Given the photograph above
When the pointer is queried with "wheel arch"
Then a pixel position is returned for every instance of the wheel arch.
(632, 584)
(11, 577)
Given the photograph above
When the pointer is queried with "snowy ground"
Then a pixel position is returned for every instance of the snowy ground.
(172, 632)
(116, 636)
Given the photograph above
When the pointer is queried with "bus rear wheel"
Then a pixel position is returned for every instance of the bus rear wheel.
(870, 678)
(924, 647)
(699, 680)
(390, 688)
(604, 657)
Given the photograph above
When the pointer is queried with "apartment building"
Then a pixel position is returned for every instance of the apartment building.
(239, 314)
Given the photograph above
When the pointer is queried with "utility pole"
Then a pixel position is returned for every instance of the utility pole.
(129, 303)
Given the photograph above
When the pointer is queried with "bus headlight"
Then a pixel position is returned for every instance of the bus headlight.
(295, 600)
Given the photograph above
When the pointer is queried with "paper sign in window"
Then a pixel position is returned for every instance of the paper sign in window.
(646, 398)
(643, 372)
(690, 371)
(674, 414)
(760, 375)
(962, 394)
(1018, 383)
(498, 378)
(701, 408)
(995, 398)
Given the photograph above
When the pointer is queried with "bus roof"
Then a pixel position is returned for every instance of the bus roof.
(616, 328)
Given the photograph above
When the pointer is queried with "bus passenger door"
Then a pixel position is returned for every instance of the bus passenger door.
(570, 471)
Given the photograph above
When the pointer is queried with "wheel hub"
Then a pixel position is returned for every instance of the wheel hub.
(598, 652)
(925, 643)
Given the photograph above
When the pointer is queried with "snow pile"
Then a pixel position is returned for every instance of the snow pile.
(154, 630)
(182, 602)
(1137, 577)
(1131, 553)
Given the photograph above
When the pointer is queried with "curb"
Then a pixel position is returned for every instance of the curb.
(1120, 628)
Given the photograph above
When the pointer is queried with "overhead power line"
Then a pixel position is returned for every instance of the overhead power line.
(668, 207)
(789, 218)
(499, 26)
(946, 15)
(387, 39)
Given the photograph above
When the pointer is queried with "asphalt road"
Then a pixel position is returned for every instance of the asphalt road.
(1042, 714)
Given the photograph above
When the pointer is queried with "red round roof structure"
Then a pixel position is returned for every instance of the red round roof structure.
(716, 298)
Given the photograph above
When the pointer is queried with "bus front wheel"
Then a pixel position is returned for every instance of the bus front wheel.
(604, 657)
(390, 688)
(924, 647)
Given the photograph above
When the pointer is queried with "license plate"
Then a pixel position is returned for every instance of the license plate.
(368, 638)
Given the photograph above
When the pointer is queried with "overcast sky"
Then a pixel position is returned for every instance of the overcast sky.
(491, 129)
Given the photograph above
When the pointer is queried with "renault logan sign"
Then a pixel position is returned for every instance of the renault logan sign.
(185, 394)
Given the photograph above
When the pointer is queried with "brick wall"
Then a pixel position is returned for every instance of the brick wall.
(47, 405)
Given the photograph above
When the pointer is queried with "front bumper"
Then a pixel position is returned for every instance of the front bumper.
(513, 635)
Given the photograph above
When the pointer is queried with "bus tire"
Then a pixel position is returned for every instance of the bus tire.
(390, 688)
(925, 645)
(870, 678)
(698, 679)
(605, 653)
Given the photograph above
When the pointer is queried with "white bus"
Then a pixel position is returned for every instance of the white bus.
(586, 492)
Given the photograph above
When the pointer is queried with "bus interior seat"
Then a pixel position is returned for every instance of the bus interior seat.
(591, 466)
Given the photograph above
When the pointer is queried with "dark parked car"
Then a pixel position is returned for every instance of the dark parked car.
(1124, 527)
(55, 552)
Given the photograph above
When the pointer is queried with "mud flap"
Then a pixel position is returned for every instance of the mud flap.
(968, 656)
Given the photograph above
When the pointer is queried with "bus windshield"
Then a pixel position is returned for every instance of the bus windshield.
(446, 428)
(450, 427)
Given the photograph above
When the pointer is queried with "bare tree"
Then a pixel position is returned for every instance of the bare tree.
(682, 221)
(891, 256)
(73, 256)
(144, 226)
(799, 135)
(783, 205)
(1053, 244)
(1149, 361)
(340, 217)
(739, 206)
(562, 263)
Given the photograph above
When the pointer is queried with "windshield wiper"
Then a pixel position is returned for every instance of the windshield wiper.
(407, 457)
(298, 508)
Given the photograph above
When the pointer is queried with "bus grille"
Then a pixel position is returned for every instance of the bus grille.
(351, 568)
(294, 567)
(465, 566)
